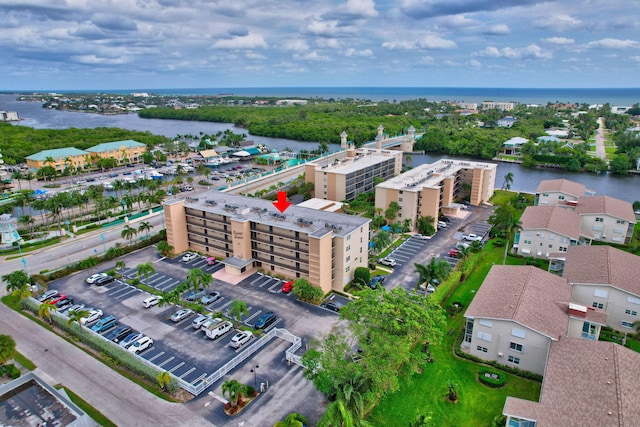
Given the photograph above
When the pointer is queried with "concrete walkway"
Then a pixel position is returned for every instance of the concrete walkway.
(122, 401)
(600, 151)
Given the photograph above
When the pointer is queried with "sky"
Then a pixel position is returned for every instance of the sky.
(127, 44)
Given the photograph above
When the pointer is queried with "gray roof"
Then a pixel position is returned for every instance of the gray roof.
(309, 221)
(606, 205)
(561, 186)
(562, 221)
(525, 294)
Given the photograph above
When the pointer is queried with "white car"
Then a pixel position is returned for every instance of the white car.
(442, 224)
(92, 279)
(189, 256)
(198, 321)
(241, 338)
(420, 236)
(94, 315)
(181, 314)
(388, 262)
(141, 344)
(151, 301)
(471, 237)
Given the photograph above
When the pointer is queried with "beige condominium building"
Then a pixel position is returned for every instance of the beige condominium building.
(250, 233)
(429, 189)
(128, 151)
(356, 173)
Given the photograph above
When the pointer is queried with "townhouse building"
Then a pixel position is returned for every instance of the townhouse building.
(250, 233)
(608, 219)
(549, 229)
(127, 151)
(429, 189)
(58, 158)
(559, 192)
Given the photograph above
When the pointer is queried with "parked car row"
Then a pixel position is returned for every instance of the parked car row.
(100, 279)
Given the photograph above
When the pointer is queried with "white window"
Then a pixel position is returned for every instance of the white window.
(600, 293)
(485, 322)
(620, 221)
(527, 242)
(514, 360)
(560, 197)
(484, 336)
(348, 258)
(626, 324)
(562, 249)
(348, 269)
(631, 312)
(552, 237)
(516, 332)
(348, 248)
(482, 349)
(516, 346)
(597, 304)
(599, 219)
(633, 300)
(618, 230)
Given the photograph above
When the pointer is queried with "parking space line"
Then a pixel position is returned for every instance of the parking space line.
(187, 373)
(171, 284)
(270, 279)
(156, 356)
(260, 276)
(131, 291)
(167, 361)
(163, 282)
(200, 378)
(224, 306)
(274, 286)
(218, 398)
(118, 290)
(176, 367)
(251, 317)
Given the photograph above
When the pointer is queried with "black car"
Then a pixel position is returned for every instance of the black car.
(265, 320)
(119, 333)
(64, 303)
(332, 306)
(104, 280)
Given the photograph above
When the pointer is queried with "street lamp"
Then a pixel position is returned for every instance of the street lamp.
(24, 263)
(255, 378)
(104, 246)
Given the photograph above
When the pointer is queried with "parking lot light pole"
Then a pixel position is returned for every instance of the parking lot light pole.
(255, 378)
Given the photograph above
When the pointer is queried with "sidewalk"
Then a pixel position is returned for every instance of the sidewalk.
(122, 401)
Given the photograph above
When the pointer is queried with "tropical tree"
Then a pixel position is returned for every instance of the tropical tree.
(76, 317)
(505, 219)
(424, 224)
(145, 270)
(17, 175)
(381, 241)
(164, 379)
(145, 226)
(508, 180)
(337, 415)
(16, 280)
(292, 420)
(7, 348)
(45, 309)
(23, 293)
(164, 248)
(128, 233)
(29, 222)
(235, 389)
(305, 291)
(237, 309)
(436, 270)
(120, 265)
(197, 279)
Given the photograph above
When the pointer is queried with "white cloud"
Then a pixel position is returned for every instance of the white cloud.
(250, 41)
(253, 55)
(474, 63)
(327, 28)
(427, 59)
(295, 45)
(559, 40)
(635, 59)
(498, 30)
(610, 43)
(428, 41)
(364, 53)
(361, 8)
(558, 22)
(530, 52)
(312, 56)
(328, 43)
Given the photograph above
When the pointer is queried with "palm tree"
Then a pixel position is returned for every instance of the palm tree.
(45, 309)
(164, 248)
(237, 309)
(76, 316)
(144, 270)
(145, 226)
(16, 280)
(23, 293)
(337, 415)
(292, 420)
(435, 270)
(510, 227)
(236, 390)
(197, 279)
(17, 175)
(164, 379)
(508, 180)
(120, 265)
(128, 233)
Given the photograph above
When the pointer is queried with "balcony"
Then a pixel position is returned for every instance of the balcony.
(588, 336)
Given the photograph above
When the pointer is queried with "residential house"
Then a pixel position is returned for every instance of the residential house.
(59, 159)
(586, 383)
(607, 278)
(513, 146)
(506, 122)
(491, 105)
(558, 192)
(516, 314)
(127, 151)
(549, 229)
(609, 220)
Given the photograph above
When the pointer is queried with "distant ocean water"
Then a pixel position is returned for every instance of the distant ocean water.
(613, 96)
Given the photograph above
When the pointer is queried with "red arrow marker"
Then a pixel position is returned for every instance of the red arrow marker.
(282, 203)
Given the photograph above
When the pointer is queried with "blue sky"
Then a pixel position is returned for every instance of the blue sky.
(121, 44)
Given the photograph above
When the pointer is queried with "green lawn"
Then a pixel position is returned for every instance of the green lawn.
(425, 393)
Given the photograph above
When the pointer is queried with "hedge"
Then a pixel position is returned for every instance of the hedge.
(486, 378)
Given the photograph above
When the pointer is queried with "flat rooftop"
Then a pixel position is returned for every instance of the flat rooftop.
(295, 218)
(364, 157)
(431, 175)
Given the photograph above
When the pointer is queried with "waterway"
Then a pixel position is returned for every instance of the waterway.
(525, 179)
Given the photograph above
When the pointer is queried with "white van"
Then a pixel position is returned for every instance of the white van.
(219, 330)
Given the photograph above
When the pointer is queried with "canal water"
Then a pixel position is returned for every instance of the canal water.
(525, 179)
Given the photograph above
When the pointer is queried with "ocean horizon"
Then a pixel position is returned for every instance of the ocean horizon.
(612, 96)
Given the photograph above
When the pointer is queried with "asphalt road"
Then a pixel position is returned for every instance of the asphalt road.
(601, 153)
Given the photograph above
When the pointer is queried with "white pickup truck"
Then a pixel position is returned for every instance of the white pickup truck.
(218, 330)
(472, 237)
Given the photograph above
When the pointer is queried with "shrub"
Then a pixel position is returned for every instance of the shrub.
(492, 378)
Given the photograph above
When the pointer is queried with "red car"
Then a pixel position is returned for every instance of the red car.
(287, 287)
(454, 253)
(57, 299)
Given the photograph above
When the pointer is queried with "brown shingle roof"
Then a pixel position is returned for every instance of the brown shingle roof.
(606, 205)
(586, 383)
(562, 186)
(557, 219)
(603, 265)
(525, 294)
